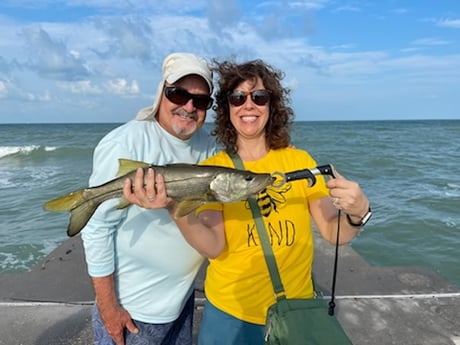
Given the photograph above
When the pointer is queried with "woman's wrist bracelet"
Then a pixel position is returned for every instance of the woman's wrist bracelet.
(364, 219)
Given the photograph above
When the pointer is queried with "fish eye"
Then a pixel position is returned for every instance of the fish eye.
(249, 178)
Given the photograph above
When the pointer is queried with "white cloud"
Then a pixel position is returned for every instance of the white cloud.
(223, 14)
(80, 87)
(430, 42)
(308, 4)
(37, 98)
(50, 57)
(449, 23)
(400, 11)
(13, 92)
(125, 38)
(116, 49)
(347, 9)
(2, 89)
(121, 86)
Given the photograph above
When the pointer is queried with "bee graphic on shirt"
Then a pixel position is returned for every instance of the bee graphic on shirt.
(270, 197)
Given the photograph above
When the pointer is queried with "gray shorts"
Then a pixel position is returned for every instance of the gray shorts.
(178, 332)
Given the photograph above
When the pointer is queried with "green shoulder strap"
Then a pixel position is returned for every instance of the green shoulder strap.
(268, 251)
(267, 248)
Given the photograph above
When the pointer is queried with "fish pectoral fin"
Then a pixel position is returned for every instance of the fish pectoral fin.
(66, 202)
(123, 204)
(128, 165)
(187, 206)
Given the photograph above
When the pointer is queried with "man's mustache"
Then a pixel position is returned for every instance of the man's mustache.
(183, 113)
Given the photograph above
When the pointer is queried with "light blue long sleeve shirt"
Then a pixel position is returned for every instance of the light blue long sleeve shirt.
(154, 267)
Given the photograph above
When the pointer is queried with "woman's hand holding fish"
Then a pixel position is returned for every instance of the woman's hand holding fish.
(147, 192)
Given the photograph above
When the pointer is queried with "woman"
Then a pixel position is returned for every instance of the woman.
(253, 120)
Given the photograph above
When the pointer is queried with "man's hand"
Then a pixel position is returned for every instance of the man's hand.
(151, 194)
(114, 317)
(115, 321)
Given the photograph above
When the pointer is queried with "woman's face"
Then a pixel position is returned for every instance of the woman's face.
(250, 118)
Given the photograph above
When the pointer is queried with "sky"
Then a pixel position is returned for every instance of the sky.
(66, 61)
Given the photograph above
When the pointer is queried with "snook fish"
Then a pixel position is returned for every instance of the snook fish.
(189, 184)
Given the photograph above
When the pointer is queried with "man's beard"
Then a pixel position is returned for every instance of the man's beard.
(179, 129)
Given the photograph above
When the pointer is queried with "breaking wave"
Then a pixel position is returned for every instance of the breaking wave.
(28, 150)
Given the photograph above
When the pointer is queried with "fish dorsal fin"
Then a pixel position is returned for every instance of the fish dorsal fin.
(128, 165)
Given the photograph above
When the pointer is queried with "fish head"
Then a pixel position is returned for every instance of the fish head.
(235, 185)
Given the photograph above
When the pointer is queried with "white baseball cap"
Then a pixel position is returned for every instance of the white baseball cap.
(175, 67)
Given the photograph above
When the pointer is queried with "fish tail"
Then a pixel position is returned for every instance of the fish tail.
(66, 202)
(79, 217)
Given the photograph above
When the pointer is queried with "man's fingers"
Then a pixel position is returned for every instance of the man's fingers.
(127, 188)
(160, 186)
(139, 181)
(119, 338)
(150, 185)
(132, 327)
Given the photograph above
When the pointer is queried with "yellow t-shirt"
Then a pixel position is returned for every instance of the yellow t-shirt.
(238, 281)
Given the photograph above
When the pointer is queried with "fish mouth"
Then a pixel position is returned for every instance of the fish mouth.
(268, 182)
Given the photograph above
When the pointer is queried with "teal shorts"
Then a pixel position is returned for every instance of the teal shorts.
(220, 328)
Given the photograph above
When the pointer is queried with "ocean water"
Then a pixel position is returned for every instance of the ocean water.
(409, 169)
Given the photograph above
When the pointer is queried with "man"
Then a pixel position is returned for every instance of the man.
(141, 267)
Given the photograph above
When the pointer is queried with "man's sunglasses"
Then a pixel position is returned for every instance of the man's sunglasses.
(259, 97)
(180, 96)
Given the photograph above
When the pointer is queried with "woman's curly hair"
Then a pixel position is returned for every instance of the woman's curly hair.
(281, 115)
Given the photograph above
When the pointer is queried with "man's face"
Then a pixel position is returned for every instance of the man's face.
(183, 121)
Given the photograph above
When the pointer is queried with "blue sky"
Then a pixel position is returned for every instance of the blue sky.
(100, 60)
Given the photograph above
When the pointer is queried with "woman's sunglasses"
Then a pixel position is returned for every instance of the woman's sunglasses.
(259, 97)
(180, 96)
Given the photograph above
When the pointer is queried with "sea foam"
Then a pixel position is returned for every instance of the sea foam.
(23, 150)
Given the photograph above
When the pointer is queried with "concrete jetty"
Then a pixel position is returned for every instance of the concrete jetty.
(51, 304)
